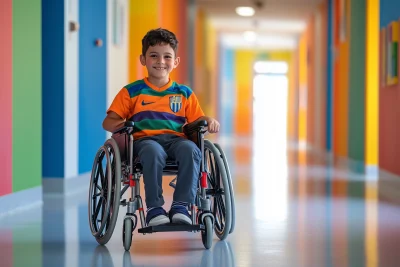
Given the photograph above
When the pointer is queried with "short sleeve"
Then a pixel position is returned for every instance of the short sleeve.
(193, 109)
(121, 104)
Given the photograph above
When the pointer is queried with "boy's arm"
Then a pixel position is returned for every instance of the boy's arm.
(113, 122)
(213, 124)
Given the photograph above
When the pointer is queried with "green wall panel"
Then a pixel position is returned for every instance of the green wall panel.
(357, 81)
(27, 94)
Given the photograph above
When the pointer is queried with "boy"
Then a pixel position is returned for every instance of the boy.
(160, 107)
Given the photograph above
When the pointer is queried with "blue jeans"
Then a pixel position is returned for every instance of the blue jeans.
(153, 152)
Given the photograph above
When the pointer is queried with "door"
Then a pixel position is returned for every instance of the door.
(92, 79)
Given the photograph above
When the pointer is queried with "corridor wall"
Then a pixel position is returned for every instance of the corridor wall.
(20, 73)
(389, 95)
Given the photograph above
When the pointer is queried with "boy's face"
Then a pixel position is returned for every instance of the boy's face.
(160, 61)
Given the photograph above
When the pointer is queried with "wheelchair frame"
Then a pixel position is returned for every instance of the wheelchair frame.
(104, 200)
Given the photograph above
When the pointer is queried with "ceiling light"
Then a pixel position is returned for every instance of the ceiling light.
(245, 11)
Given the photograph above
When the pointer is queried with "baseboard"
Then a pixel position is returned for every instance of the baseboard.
(66, 186)
(21, 200)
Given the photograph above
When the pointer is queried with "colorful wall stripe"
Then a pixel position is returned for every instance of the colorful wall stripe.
(293, 99)
(92, 80)
(53, 88)
(372, 82)
(330, 53)
(319, 76)
(27, 94)
(302, 89)
(6, 97)
(356, 111)
(143, 16)
(243, 125)
(226, 91)
(389, 123)
(311, 85)
(177, 12)
(211, 67)
(341, 85)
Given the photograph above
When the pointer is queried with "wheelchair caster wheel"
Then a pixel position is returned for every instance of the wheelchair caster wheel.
(207, 234)
(127, 233)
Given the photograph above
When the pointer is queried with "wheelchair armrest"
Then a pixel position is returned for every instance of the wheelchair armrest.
(195, 126)
(127, 128)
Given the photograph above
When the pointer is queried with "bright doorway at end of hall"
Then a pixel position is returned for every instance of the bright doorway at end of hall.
(270, 91)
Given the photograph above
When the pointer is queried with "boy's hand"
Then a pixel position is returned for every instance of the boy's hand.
(213, 125)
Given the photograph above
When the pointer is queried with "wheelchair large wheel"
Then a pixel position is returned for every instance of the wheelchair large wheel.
(104, 192)
(218, 189)
(231, 192)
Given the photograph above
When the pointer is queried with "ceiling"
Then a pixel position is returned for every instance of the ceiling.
(277, 23)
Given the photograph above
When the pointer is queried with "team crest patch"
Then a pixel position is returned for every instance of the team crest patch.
(175, 103)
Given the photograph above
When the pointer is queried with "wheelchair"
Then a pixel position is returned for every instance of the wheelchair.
(115, 170)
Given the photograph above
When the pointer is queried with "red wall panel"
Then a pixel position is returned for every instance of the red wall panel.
(389, 123)
(6, 97)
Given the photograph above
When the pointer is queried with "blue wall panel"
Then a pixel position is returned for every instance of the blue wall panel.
(390, 11)
(227, 90)
(53, 88)
(92, 80)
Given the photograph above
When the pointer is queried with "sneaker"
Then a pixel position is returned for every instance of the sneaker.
(180, 215)
(157, 216)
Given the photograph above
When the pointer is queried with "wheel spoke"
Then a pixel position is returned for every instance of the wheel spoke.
(96, 212)
(221, 206)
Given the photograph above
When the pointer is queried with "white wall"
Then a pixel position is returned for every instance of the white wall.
(71, 101)
(117, 54)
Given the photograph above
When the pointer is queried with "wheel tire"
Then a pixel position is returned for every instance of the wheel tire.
(221, 203)
(113, 172)
(104, 201)
(207, 233)
(127, 233)
(231, 191)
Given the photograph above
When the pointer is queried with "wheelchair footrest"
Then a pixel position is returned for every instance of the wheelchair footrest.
(171, 227)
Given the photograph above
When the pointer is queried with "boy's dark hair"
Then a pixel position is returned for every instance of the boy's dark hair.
(159, 36)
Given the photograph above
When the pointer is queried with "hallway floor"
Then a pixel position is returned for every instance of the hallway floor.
(293, 208)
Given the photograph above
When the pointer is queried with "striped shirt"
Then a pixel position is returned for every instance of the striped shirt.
(157, 110)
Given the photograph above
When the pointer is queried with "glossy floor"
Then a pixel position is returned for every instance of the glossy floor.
(293, 208)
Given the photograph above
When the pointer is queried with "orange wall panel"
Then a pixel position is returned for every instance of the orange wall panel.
(244, 93)
(341, 87)
(311, 82)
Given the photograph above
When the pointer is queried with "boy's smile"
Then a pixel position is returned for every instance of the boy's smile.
(159, 60)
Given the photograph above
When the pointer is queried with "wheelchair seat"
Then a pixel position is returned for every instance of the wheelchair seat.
(170, 168)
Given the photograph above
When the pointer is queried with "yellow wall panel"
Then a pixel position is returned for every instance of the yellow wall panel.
(143, 16)
(372, 83)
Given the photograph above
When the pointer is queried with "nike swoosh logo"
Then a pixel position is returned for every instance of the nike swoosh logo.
(146, 103)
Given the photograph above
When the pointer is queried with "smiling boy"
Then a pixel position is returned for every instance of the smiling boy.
(160, 108)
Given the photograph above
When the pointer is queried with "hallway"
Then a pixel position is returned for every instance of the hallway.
(293, 210)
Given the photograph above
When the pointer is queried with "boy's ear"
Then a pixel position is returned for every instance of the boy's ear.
(142, 60)
(176, 61)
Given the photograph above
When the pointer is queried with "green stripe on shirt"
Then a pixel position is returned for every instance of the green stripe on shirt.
(158, 125)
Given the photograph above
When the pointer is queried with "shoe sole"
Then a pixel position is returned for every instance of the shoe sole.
(181, 219)
(159, 220)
